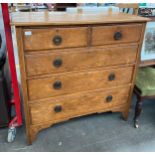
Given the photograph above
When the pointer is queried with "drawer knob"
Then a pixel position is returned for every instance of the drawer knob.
(57, 85)
(57, 62)
(58, 108)
(117, 35)
(111, 77)
(57, 40)
(109, 98)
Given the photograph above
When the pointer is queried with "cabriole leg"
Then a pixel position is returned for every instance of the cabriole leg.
(138, 110)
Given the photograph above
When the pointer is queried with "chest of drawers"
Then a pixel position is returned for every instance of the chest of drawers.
(78, 64)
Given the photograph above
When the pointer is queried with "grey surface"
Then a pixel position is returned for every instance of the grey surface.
(98, 132)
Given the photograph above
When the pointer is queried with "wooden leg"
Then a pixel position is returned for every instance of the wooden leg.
(35, 129)
(125, 114)
(32, 132)
(138, 110)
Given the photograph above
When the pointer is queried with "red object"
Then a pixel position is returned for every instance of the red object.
(17, 120)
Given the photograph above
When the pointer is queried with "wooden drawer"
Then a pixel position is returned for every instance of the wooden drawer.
(77, 104)
(60, 84)
(39, 39)
(103, 35)
(57, 61)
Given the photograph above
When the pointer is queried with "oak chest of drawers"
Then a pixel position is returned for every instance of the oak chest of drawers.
(76, 64)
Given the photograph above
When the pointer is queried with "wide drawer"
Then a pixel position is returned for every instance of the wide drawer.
(57, 61)
(77, 104)
(60, 84)
(103, 35)
(51, 38)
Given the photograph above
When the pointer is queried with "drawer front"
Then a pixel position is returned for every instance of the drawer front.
(75, 82)
(77, 104)
(40, 39)
(57, 61)
(104, 35)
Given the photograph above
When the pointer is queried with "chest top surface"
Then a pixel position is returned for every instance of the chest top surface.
(64, 18)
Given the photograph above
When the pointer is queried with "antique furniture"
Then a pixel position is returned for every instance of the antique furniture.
(76, 64)
(145, 81)
(144, 89)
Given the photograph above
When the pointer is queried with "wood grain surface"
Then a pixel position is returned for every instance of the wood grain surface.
(79, 59)
(64, 18)
(105, 34)
(77, 104)
(39, 39)
(76, 82)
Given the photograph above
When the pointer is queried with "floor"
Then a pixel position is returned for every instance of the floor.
(97, 132)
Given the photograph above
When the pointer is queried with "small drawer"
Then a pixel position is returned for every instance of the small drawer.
(104, 35)
(75, 105)
(53, 38)
(69, 60)
(61, 84)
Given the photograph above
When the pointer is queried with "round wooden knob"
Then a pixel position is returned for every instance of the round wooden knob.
(57, 63)
(57, 85)
(57, 40)
(109, 98)
(111, 77)
(58, 108)
(117, 35)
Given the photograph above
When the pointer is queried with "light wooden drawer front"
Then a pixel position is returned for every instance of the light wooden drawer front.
(77, 104)
(60, 84)
(57, 62)
(39, 39)
(116, 34)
